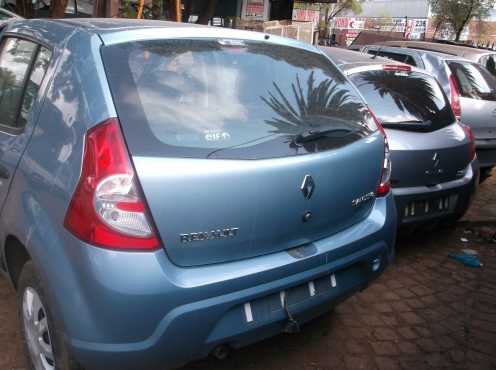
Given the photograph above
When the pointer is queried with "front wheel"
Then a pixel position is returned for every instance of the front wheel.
(43, 344)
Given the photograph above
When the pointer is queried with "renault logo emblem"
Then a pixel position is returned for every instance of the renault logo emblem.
(436, 162)
(307, 187)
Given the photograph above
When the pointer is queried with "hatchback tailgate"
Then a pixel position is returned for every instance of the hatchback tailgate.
(213, 210)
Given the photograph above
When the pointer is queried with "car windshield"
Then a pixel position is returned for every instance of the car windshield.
(230, 98)
(405, 100)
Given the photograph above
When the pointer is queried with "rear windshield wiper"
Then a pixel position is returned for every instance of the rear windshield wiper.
(313, 134)
(407, 124)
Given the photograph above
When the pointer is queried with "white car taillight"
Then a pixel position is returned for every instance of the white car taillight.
(384, 186)
(118, 204)
(455, 97)
(471, 138)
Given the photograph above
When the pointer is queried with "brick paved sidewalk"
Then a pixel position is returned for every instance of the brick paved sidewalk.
(484, 205)
(425, 312)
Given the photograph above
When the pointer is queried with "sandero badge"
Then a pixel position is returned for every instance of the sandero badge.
(228, 232)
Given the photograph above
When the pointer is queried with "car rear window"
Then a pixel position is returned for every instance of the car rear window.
(474, 81)
(405, 100)
(226, 98)
(402, 58)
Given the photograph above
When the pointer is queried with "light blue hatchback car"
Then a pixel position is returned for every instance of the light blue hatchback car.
(170, 191)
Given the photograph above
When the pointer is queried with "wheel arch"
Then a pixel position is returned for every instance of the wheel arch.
(16, 255)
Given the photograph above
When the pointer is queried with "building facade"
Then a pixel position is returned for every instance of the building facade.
(411, 19)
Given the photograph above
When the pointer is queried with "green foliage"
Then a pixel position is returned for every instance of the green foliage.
(335, 9)
(455, 14)
(355, 6)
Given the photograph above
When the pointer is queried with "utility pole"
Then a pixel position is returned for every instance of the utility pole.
(178, 10)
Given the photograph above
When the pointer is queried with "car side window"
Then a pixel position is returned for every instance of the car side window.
(474, 81)
(33, 83)
(490, 63)
(22, 66)
(409, 60)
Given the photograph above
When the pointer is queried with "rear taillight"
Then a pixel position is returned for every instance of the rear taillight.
(455, 97)
(384, 186)
(471, 138)
(107, 208)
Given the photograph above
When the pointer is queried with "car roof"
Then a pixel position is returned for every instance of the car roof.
(458, 50)
(348, 60)
(351, 62)
(352, 58)
(406, 50)
(108, 25)
(118, 30)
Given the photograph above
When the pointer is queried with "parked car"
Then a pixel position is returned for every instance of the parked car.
(434, 167)
(472, 92)
(169, 191)
(484, 57)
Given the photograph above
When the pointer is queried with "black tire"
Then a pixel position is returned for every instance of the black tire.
(29, 278)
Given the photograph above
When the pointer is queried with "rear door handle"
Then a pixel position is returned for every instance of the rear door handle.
(4, 172)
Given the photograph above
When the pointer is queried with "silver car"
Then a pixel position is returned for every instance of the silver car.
(484, 57)
(471, 88)
(434, 167)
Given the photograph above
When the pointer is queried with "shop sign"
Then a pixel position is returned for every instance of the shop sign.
(306, 12)
(254, 10)
(348, 23)
(411, 28)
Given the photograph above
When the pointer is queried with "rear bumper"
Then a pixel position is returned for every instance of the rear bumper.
(459, 192)
(138, 310)
(486, 152)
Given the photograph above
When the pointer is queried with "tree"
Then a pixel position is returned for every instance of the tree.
(107, 8)
(57, 8)
(458, 13)
(25, 8)
(156, 9)
(439, 22)
(207, 12)
(333, 10)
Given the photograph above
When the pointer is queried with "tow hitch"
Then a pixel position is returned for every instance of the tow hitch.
(292, 326)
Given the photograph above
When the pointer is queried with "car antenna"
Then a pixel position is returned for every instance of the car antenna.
(377, 52)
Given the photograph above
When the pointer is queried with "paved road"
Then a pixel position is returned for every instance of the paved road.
(425, 312)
